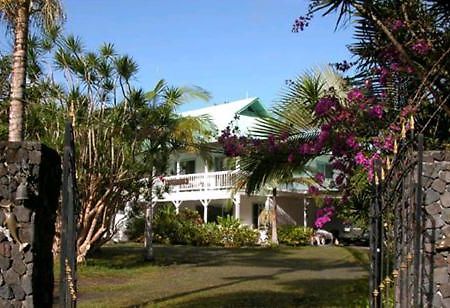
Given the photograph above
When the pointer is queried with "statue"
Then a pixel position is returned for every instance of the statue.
(12, 224)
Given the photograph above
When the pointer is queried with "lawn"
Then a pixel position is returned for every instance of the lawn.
(184, 276)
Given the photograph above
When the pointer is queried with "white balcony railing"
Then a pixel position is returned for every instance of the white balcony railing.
(219, 180)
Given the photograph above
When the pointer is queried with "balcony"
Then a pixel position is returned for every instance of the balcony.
(219, 180)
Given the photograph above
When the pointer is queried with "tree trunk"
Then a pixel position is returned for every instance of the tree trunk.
(274, 218)
(148, 232)
(148, 241)
(18, 78)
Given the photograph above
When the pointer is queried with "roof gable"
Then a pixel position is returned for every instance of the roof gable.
(248, 110)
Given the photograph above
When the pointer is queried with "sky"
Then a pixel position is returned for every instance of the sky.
(232, 48)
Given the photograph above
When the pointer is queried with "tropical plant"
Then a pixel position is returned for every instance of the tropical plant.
(18, 13)
(115, 126)
(402, 50)
(401, 84)
(270, 156)
(267, 156)
(295, 235)
(164, 132)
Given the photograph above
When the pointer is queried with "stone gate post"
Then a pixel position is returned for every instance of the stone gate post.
(30, 180)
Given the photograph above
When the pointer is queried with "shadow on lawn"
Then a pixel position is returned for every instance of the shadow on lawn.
(131, 256)
(301, 293)
(305, 291)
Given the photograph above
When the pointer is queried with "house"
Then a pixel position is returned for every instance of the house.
(194, 183)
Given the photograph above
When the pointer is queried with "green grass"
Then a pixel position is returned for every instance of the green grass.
(184, 276)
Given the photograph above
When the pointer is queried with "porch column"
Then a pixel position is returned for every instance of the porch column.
(205, 203)
(305, 212)
(237, 206)
(205, 177)
(177, 204)
(178, 167)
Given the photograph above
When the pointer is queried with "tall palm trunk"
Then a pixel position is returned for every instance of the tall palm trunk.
(274, 218)
(18, 79)
(148, 236)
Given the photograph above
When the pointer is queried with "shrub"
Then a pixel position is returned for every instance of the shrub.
(207, 235)
(135, 228)
(187, 228)
(233, 234)
(294, 235)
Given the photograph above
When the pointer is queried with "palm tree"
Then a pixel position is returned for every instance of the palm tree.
(17, 14)
(167, 132)
(292, 121)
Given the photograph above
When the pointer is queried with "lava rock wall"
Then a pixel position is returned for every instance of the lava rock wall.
(27, 227)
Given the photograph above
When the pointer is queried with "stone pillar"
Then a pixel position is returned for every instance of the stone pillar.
(26, 238)
(436, 237)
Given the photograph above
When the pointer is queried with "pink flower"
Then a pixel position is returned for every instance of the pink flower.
(384, 75)
(395, 67)
(351, 142)
(397, 25)
(376, 111)
(355, 95)
(291, 158)
(421, 47)
(313, 190)
(388, 143)
(323, 136)
(323, 216)
(324, 105)
(305, 148)
(361, 159)
(328, 201)
(319, 177)
(409, 69)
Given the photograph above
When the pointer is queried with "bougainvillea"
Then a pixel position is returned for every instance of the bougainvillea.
(401, 83)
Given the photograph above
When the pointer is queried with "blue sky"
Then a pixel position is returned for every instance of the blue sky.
(231, 48)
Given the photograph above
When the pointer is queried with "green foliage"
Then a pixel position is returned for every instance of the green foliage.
(294, 235)
(187, 228)
(135, 228)
(207, 235)
(233, 234)
(292, 121)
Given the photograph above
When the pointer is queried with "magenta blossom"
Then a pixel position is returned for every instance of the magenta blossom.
(361, 159)
(421, 47)
(306, 148)
(313, 190)
(324, 105)
(355, 95)
(291, 158)
(384, 75)
(328, 201)
(376, 111)
(323, 216)
(319, 177)
(388, 143)
(351, 142)
(397, 25)
(396, 67)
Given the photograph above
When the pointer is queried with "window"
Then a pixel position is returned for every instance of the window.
(187, 166)
(257, 208)
(218, 164)
(325, 168)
